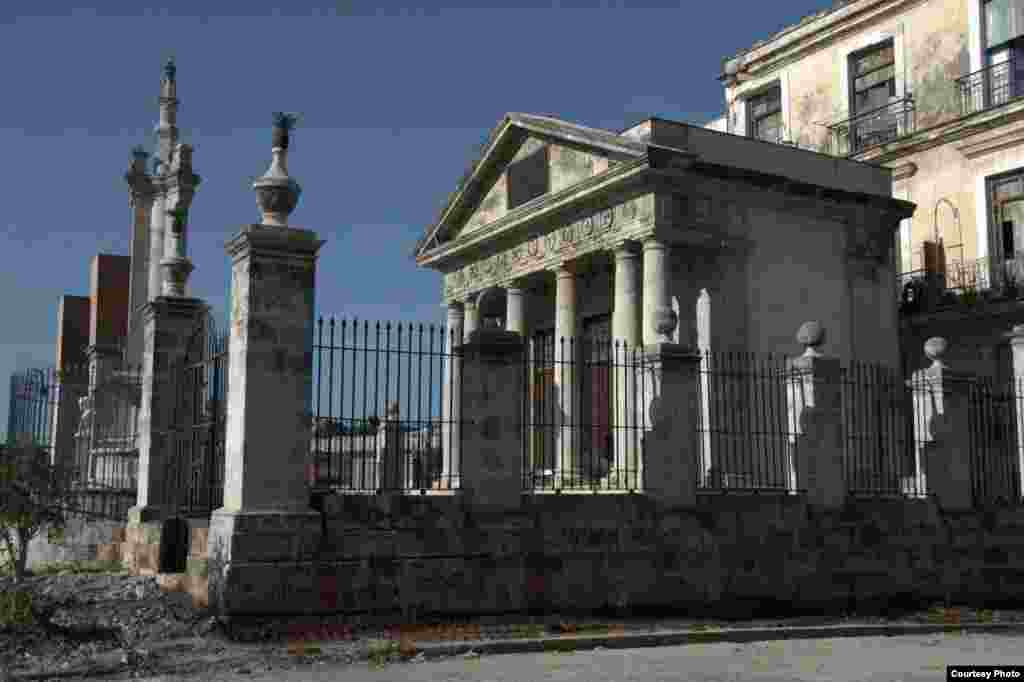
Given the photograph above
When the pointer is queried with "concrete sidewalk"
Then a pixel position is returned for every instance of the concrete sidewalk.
(443, 641)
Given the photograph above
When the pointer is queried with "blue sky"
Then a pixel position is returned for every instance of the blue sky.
(394, 100)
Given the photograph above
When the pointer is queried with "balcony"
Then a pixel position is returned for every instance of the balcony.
(871, 128)
(971, 282)
(990, 87)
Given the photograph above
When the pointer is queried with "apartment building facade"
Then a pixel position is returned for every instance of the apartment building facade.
(933, 90)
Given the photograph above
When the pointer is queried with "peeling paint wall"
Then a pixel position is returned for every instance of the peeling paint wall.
(930, 41)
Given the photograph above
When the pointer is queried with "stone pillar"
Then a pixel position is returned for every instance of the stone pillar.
(567, 468)
(668, 468)
(656, 302)
(514, 314)
(266, 518)
(451, 401)
(470, 316)
(942, 403)
(814, 395)
(167, 325)
(626, 337)
(1017, 348)
(493, 398)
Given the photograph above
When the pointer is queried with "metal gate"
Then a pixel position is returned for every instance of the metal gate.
(195, 438)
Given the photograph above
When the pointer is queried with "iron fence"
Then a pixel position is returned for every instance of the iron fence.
(996, 419)
(747, 435)
(990, 87)
(85, 421)
(196, 435)
(880, 455)
(870, 128)
(584, 415)
(386, 407)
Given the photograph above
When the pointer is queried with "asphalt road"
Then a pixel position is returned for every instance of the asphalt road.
(855, 659)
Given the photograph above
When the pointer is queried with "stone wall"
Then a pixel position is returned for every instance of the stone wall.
(83, 539)
(409, 557)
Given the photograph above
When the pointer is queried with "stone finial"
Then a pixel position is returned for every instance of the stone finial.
(811, 335)
(664, 321)
(391, 410)
(170, 69)
(277, 193)
(934, 349)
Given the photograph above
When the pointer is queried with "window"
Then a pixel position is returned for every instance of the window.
(1004, 49)
(872, 77)
(764, 115)
(872, 85)
(1006, 234)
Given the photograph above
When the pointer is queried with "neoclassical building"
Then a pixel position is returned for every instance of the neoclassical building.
(562, 231)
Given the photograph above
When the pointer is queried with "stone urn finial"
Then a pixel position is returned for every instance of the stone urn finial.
(934, 349)
(276, 192)
(811, 335)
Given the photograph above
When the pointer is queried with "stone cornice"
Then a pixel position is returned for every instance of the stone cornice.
(948, 132)
(537, 209)
(173, 306)
(272, 240)
(813, 34)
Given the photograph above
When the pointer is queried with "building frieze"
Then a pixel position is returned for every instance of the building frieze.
(595, 231)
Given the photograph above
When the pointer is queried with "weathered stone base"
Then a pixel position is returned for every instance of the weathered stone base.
(260, 562)
(141, 553)
(83, 539)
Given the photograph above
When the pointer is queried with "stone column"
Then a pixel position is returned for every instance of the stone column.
(451, 399)
(668, 469)
(157, 216)
(1017, 348)
(814, 395)
(566, 467)
(656, 300)
(470, 316)
(626, 337)
(514, 313)
(493, 398)
(942, 404)
(167, 323)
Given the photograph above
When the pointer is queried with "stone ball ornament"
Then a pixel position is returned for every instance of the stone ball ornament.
(935, 348)
(811, 335)
(664, 322)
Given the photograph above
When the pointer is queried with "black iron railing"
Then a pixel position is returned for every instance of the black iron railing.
(879, 422)
(386, 411)
(870, 128)
(990, 87)
(996, 419)
(584, 416)
(85, 421)
(746, 432)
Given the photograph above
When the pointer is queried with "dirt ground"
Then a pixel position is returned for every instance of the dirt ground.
(122, 627)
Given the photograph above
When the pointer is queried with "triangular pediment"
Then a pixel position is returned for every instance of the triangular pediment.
(525, 158)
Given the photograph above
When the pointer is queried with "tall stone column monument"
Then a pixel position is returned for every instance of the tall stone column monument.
(266, 534)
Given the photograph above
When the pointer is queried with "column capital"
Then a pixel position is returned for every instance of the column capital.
(626, 248)
(653, 241)
(514, 284)
(563, 268)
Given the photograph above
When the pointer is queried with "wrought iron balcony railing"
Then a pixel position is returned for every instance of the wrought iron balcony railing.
(921, 290)
(869, 128)
(990, 87)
